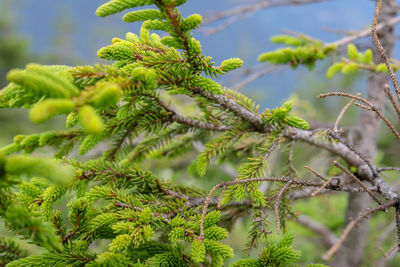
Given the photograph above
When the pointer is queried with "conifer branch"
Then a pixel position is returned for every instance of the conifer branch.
(382, 169)
(354, 223)
(341, 114)
(382, 51)
(316, 173)
(276, 205)
(390, 251)
(193, 123)
(350, 174)
(234, 107)
(392, 99)
(368, 105)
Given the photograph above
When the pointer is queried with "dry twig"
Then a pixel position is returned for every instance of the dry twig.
(350, 174)
(381, 50)
(315, 173)
(392, 100)
(368, 106)
(340, 116)
(276, 206)
(353, 224)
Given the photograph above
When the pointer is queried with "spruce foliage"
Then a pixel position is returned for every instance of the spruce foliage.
(148, 221)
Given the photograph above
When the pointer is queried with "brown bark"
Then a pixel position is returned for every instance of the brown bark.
(351, 253)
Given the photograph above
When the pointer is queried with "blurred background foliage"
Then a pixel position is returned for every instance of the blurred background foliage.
(67, 32)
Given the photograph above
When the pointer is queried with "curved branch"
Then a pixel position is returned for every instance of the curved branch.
(339, 149)
(354, 223)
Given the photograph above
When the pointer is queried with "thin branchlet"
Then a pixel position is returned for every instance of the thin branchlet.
(342, 112)
(354, 223)
(392, 100)
(316, 173)
(382, 51)
(276, 205)
(368, 105)
(351, 175)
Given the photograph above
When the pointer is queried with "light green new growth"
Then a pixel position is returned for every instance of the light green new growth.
(126, 109)
(305, 51)
(356, 61)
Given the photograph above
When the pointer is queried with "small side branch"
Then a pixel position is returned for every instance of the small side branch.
(341, 114)
(194, 123)
(319, 190)
(398, 226)
(392, 100)
(214, 201)
(381, 50)
(316, 173)
(368, 106)
(390, 251)
(276, 206)
(389, 169)
(350, 174)
(353, 224)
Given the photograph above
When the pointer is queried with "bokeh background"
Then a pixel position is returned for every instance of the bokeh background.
(68, 32)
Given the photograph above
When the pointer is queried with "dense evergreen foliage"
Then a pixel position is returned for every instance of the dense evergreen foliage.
(124, 108)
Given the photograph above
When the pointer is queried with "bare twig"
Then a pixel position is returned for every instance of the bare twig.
(355, 97)
(340, 116)
(292, 169)
(194, 123)
(353, 224)
(368, 105)
(392, 100)
(315, 173)
(276, 206)
(389, 169)
(350, 174)
(390, 251)
(242, 112)
(398, 226)
(73, 232)
(381, 50)
(316, 192)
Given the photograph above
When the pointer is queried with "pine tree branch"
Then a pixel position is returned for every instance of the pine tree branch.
(349, 173)
(382, 50)
(276, 205)
(389, 169)
(191, 122)
(210, 199)
(340, 149)
(354, 223)
(224, 101)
